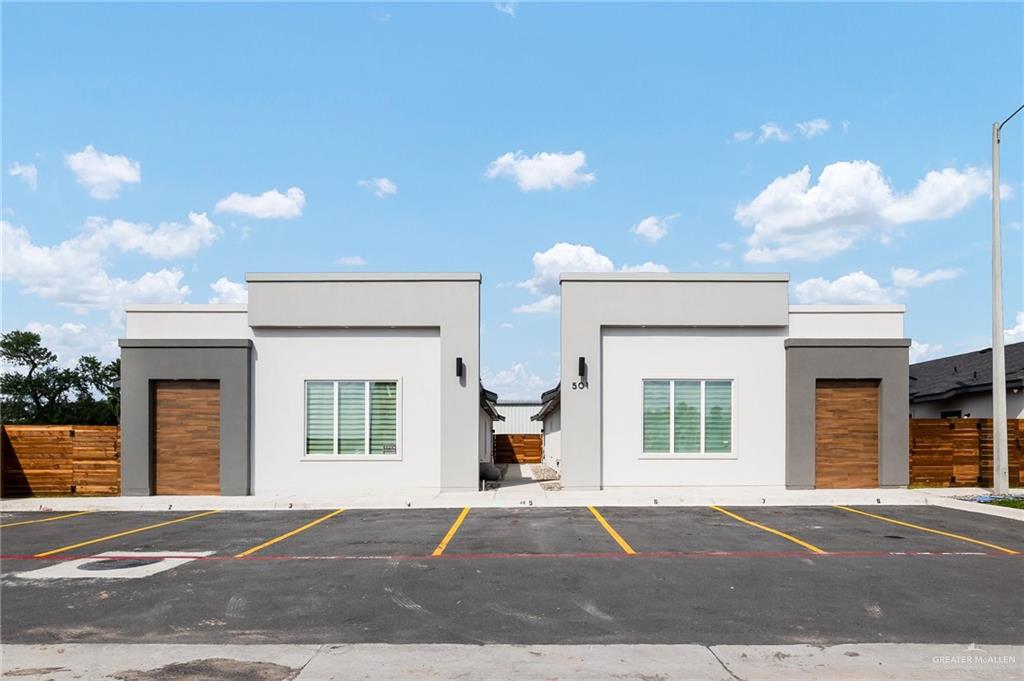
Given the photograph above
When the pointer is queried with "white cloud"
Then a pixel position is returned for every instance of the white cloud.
(27, 172)
(269, 204)
(940, 194)
(773, 131)
(563, 257)
(644, 267)
(726, 246)
(858, 287)
(813, 128)
(351, 261)
(73, 273)
(508, 8)
(103, 174)
(793, 220)
(542, 171)
(906, 277)
(1015, 334)
(846, 126)
(382, 187)
(566, 257)
(229, 292)
(922, 351)
(652, 228)
(742, 135)
(516, 382)
(70, 341)
(546, 305)
(507, 325)
(166, 241)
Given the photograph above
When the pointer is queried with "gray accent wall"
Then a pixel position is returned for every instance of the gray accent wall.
(884, 360)
(448, 301)
(591, 302)
(226, 361)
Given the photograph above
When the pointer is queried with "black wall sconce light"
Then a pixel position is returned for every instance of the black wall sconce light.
(583, 367)
(460, 367)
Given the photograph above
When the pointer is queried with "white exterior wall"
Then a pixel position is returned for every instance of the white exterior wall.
(517, 419)
(755, 361)
(286, 358)
(846, 321)
(553, 440)
(187, 321)
(976, 406)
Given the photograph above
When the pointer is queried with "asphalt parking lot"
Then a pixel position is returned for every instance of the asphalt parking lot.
(744, 575)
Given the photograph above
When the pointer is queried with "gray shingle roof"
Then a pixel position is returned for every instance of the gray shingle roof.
(971, 372)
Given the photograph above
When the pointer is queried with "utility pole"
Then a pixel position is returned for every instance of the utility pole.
(1000, 454)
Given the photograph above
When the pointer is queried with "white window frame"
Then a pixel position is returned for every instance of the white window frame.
(702, 454)
(364, 456)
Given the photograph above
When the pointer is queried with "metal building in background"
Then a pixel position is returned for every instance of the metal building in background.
(517, 418)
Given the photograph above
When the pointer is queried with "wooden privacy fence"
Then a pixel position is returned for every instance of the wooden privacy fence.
(60, 460)
(517, 448)
(958, 452)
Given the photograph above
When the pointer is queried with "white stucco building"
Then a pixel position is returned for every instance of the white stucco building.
(321, 383)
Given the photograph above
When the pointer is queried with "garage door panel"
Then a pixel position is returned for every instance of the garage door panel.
(186, 437)
(846, 434)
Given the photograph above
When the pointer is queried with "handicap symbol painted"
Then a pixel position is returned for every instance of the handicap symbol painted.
(116, 565)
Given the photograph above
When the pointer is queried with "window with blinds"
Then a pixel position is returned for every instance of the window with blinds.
(687, 416)
(352, 418)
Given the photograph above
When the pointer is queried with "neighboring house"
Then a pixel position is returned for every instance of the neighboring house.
(714, 379)
(488, 417)
(322, 383)
(550, 416)
(961, 386)
(517, 439)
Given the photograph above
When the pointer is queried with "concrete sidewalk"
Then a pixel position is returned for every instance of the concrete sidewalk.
(528, 493)
(376, 662)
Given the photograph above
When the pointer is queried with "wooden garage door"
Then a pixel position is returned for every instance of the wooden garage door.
(846, 434)
(186, 437)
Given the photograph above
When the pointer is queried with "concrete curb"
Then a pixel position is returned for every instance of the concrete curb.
(375, 662)
(527, 495)
(977, 507)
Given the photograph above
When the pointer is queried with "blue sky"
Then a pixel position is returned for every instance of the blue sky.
(151, 151)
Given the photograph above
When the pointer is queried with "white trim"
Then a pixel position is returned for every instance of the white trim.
(361, 276)
(702, 454)
(365, 455)
(850, 309)
(675, 276)
(188, 307)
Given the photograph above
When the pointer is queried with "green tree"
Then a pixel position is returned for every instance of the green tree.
(35, 389)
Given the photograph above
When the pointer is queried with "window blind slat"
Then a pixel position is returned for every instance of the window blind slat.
(718, 417)
(351, 417)
(656, 417)
(383, 417)
(687, 417)
(319, 418)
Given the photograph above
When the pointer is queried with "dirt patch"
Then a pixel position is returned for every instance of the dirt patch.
(213, 669)
(542, 472)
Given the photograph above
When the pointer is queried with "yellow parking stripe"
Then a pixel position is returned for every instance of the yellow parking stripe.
(810, 547)
(122, 534)
(45, 520)
(611, 530)
(249, 552)
(928, 529)
(451, 532)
